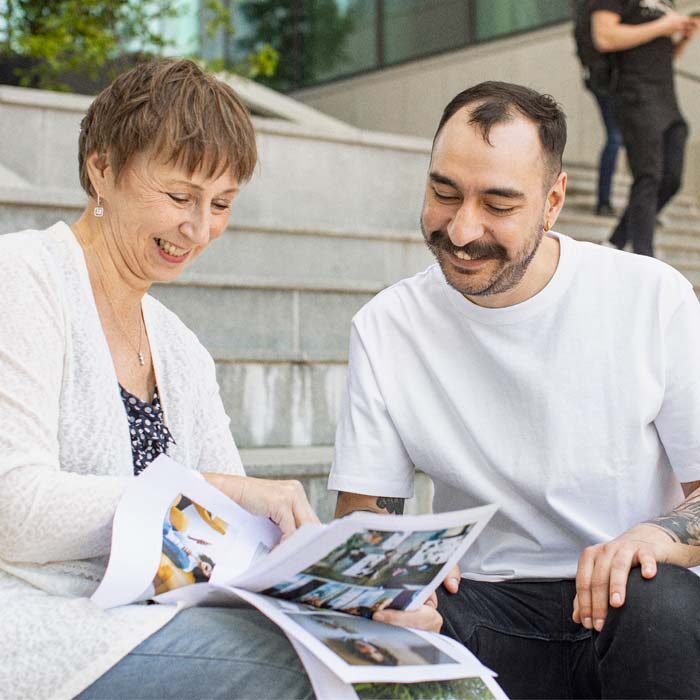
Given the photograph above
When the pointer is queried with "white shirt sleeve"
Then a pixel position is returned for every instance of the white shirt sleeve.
(46, 514)
(370, 457)
(678, 420)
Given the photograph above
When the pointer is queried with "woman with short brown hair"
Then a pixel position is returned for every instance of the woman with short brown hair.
(97, 378)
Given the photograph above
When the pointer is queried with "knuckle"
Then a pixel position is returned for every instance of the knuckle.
(599, 583)
(583, 587)
(619, 561)
(610, 548)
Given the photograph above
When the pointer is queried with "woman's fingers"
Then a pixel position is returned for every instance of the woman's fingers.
(284, 502)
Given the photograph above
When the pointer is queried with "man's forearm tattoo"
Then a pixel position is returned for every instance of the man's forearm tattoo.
(393, 505)
(682, 524)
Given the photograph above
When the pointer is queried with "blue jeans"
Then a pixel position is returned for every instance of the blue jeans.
(613, 141)
(523, 630)
(209, 653)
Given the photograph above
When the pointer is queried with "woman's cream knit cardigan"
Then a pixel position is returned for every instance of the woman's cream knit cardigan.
(65, 458)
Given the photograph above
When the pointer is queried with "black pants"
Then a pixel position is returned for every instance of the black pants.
(654, 134)
(648, 648)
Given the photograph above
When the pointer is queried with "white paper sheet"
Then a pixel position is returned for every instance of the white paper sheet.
(138, 534)
(360, 650)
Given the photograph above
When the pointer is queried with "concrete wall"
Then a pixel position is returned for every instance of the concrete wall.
(409, 99)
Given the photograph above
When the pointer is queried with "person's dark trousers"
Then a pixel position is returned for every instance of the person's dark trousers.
(608, 156)
(654, 134)
(523, 630)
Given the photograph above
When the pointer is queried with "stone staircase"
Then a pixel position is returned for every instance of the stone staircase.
(677, 239)
(330, 219)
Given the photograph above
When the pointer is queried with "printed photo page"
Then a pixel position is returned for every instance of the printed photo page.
(328, 686)
(366, 562)
(358, 650)
(177, 538)
(171, 531)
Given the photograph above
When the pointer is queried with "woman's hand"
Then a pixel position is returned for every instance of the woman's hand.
(284, 502)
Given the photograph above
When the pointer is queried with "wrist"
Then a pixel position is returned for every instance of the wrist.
(674, 552)
(649, 531)
(229, 484)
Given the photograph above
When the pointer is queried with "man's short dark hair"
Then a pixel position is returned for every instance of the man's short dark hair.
(498, 102)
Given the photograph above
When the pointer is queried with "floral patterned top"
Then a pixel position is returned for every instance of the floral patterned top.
(150, 436)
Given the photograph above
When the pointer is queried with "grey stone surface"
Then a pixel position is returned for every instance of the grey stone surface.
(60, 133)
(22, 131)
(18, 217)
(311, 466)
(234, 322)
(324, 183)
(324, 322)
(285, 257)
(282, 403)
(324, 501)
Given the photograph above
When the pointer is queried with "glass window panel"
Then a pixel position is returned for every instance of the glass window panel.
(182, 32)
(354, 46)
(500, 17)
(317, 40)
(415, 28)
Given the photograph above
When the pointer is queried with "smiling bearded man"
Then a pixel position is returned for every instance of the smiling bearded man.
(557, 379)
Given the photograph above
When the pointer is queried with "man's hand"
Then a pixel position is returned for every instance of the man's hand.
(603, 570)
(425, 618)
(451, 582)
(673, 23)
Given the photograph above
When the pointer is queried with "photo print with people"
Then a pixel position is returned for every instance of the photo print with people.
(361, 642)
(373, 570)
(192, 538)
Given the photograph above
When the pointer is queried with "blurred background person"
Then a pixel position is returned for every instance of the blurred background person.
(645, 37)
(599, 78)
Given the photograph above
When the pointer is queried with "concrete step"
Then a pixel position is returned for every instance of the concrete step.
(282, 403)
(311, 465)
(583, 180)
(681, 242)
(262, 324)
(586, 203)
(307, 177)
(329, 260)
(587, 226)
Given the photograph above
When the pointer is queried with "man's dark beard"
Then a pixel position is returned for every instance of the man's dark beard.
(509, 275)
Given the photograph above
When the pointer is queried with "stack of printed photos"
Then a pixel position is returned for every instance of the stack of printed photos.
(178, 539)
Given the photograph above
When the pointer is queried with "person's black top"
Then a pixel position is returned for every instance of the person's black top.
(150, 436)
(650, 63)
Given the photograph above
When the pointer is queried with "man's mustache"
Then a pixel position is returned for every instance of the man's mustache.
(439, 240)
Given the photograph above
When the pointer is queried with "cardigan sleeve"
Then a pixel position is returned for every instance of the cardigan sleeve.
(47, 514)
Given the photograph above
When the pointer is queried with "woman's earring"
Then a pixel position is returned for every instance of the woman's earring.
(99, 210)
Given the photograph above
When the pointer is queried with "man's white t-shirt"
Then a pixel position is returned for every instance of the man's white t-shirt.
(577, 411)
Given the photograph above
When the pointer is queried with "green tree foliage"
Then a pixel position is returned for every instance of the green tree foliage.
(97, 38)
(308, 35)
